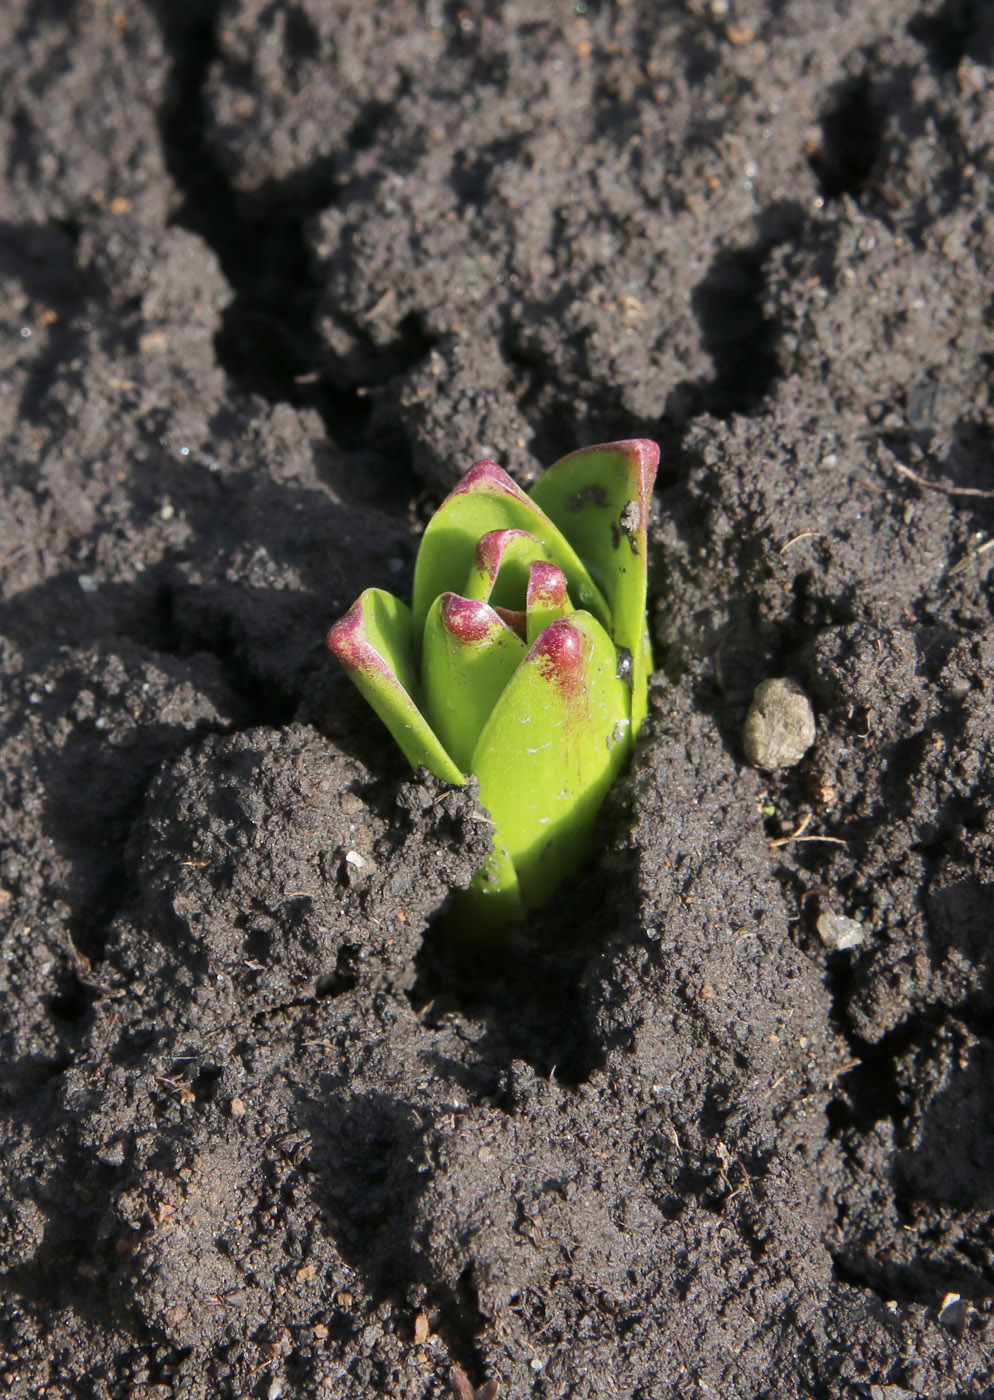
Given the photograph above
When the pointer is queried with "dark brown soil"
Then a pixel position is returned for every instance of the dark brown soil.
(273, 273)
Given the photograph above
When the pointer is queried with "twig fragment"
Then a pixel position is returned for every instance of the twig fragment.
(799, 835)
(925, 484)
(804, 535)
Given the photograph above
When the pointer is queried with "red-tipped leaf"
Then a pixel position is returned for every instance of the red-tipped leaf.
(374, 641)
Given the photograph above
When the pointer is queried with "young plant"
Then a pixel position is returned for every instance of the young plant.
(523, 660)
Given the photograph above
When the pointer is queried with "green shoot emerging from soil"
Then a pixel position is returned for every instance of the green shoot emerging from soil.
(523, 660)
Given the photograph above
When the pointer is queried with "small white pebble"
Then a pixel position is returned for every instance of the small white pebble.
(354, 858)
(838, 933)
(87, 583)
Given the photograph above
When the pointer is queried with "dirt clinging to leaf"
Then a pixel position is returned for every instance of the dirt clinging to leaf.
(718, 1120)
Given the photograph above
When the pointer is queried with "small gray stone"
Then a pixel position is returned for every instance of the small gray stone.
(954, 1312)
(838, 933)
(780, 726)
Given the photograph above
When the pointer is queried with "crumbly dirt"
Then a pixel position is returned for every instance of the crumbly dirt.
(272, 275)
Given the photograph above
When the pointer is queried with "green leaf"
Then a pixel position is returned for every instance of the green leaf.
(599, 498)
(374, 641)
(487, 499)
(552, 747)
(492, 901)
(468, 657)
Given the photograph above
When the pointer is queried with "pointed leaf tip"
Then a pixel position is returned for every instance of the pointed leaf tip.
(486, 475)
(644, 450)
(345, 639)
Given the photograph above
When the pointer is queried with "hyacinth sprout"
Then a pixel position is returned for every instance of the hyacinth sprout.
(523, 660)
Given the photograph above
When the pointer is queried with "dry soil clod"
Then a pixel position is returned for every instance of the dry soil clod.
(780, 726)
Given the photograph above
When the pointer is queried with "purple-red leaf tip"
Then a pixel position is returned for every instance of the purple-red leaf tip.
(515, 619)
(559, 650)
(546, 586)
(488, 476)
(492, 547)
(345, 639)
(348, 641)
(467, 619)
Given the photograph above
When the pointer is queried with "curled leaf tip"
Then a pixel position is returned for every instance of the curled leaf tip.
(546, 598)
(560, 648)
(546, 585)
(495, 545)
(468, 619)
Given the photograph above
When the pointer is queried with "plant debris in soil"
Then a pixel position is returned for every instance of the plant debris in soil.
(718, 1121)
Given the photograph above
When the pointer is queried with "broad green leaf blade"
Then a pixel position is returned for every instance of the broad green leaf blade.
(374, 641)
(599, 498)
(546, 599)
(468, 657)
(556, 740)
(500, 567)
(487, 499)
